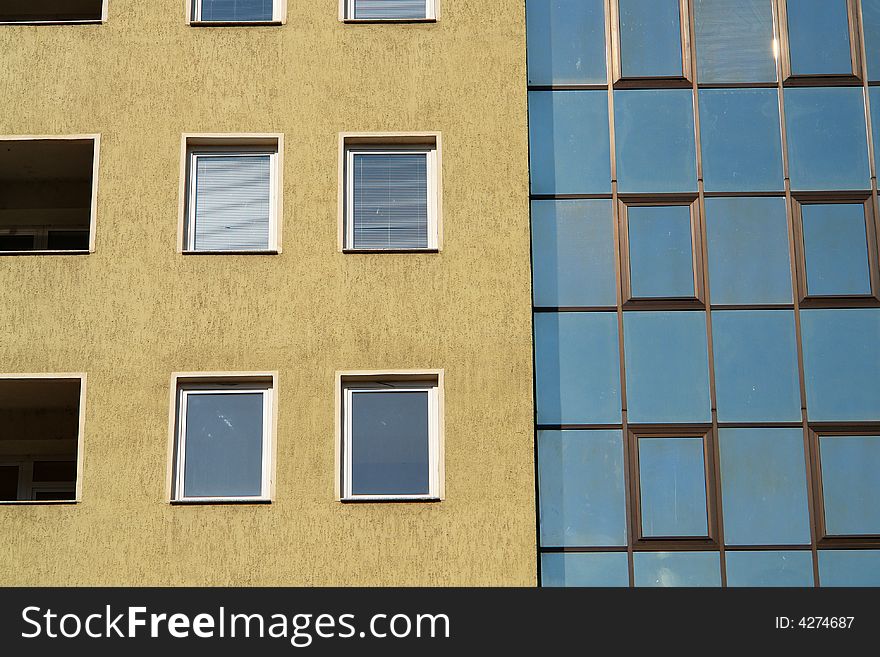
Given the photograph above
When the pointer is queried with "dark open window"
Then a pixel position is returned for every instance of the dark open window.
(51, 11)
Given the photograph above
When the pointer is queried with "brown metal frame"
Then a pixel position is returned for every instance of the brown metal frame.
(631, 302)
(641, 542)
(684, 80)
(824, 539)
(855, 48)
(807, 300)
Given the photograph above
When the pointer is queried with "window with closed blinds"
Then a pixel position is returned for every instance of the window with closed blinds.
(390, 9)
(231, 202)
(234, 11)
(390, 205)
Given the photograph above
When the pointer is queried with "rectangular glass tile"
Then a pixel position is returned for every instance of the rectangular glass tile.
(667, 367)
(573, 253)
(581, 488)
(650, 38)
(566, 41)
(871, 27)
(654, 140)
(577, 368)
(841, 362)
(672, 487)
(818, 37)
(851, 484)
(661, 258)
(584, 569)
(740, 136)
(849, 567)
(569, 143)
(389, 443)
(764, 487)
(735, 41)
(668, 569)
(770, 568)
(836, 249)
(756, 366)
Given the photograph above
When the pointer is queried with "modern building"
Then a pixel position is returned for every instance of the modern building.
(439, 292)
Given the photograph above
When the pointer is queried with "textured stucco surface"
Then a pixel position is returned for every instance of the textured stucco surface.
(136, 310)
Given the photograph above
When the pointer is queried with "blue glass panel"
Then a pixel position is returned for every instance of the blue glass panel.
(818, 37)
(236, 10)
(581, 488)
(764, 487)
(573, 253)
(655, 140)
(756, 367)
(851, 484)
(871, 25)
(661, 260)
(735, 41)
(569, 146)
(667, 367)
(672, 487)
(739, 133)
(769, 568)
(677, 569)
(748, 250)
(577, 368)
(650, 38)
(841, 364)
(827, 138)
(566, 41)
(836, 249)
(584, 569)
(874, 98)
(849, 567)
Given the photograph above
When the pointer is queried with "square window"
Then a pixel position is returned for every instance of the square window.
(661, 255)
(821, 38)
(44, 415)
(389, 10)
(650, 34)
(232, 195)
(672, 569)
(566, 41)
(391, 437)
(223, 438)
(53, 11)
(835, 249)
(849, 485)
(391, 194)
(49, 189)
(735, 41)
(237, 11)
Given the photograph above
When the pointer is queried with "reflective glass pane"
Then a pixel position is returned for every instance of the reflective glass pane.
(849, 567)
(756, 367)
(672, 487)
(661, 260)
(569, 147)
(851, 484)
(662, 569)
(650, 38)
(836, 249)
(764, 487)
(739, 133)
(224, 445)
(667, 367)
(818, 37)
(573, 253)
(655, 140)
(577, 367)
(841, 362)
(566, 41)
(769, 568)
(389, 443)
(584, 569)
(581, 488)
(827, 138)
(874, 97)
(735, 41)
(748, 250)
(871, 25)
(236, 10)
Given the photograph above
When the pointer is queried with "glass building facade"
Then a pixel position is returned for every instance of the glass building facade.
(705, 290)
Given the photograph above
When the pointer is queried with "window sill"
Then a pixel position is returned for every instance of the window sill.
(233, 253)
(37, 502)
(85, 21)
(47, 252)
(433, 250)
(236, 23)
(388, 20)
(393, 499)
(221, 500)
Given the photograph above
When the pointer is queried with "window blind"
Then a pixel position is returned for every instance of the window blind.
(390, 204)
(379, 9)
(236, 10)
(232, 203)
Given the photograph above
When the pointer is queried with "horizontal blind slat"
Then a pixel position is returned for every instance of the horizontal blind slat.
(379, 9)
(236, 10)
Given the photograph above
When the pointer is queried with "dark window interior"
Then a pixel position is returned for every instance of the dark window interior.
(52, 11)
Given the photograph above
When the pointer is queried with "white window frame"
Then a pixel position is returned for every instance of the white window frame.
(194, 15)
(432, 387)
(242, 386)
(347, 10)
(215, 148)
(430, 152)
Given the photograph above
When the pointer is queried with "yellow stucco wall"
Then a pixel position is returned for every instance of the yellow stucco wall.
(135, 311)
